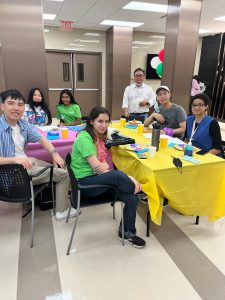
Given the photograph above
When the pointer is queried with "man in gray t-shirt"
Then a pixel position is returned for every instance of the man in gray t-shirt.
(171, 116)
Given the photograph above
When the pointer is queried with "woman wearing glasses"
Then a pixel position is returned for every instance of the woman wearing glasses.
(202, 130)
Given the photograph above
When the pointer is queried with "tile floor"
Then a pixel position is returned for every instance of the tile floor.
(180, 261)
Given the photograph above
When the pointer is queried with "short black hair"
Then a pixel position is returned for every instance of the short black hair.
(204, 97)
(139, 70)
(14, 94)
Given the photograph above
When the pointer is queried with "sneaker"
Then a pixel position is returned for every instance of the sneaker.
(62, 215)
(135, 241)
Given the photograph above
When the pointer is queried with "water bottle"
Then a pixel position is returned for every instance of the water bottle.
(156, 135)
(188, 149)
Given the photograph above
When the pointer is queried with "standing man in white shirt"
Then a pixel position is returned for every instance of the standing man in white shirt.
(138, 97)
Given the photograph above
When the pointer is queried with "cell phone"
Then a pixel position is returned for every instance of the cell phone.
(201, 152)
(141, 155)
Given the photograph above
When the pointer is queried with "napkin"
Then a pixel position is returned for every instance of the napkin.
(131, 126)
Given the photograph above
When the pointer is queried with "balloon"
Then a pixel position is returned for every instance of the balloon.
(159, 69)
(161, 55)
(154, 62)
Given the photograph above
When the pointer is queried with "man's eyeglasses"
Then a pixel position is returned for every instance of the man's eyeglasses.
(139, 75)
(200, 105)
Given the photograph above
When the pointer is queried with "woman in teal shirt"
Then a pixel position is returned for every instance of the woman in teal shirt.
(68, 111)
(90, 170)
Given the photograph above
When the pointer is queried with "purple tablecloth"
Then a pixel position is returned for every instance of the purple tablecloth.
(63, 146)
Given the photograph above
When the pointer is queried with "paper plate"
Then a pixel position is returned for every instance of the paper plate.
(136, 122)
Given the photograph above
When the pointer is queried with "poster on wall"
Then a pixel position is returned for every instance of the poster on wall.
(152, 61)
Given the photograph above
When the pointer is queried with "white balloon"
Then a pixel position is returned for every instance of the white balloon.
(154, 62)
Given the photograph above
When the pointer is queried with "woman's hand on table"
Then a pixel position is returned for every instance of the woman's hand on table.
(137, 185)
(61, 125)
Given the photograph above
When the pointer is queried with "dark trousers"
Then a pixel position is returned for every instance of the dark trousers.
(125, 191)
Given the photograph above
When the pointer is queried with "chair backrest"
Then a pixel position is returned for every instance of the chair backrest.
(73, 181)
(14, 183)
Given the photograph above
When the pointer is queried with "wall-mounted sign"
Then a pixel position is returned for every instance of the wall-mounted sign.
(66, 25)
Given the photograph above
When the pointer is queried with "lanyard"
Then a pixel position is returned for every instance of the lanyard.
(193, 131)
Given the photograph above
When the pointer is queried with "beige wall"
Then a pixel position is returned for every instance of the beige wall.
(58, 39)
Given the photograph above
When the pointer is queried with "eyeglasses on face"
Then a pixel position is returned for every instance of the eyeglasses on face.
(139, 75)
(200, 105)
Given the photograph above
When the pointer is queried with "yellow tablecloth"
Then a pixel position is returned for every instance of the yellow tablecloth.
(199, 190)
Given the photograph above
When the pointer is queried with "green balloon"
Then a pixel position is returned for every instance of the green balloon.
(159, 69)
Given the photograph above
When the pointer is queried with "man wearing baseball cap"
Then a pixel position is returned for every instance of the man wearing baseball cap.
(172, 117)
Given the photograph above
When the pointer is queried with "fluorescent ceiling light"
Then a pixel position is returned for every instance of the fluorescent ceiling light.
(220, 18)
(46, 30)
(76, 45)
(157, 36)
(92, 34)
(203, 31)
(121, 23)
(87, 41)
(49, 17)
(78, 49)
(146, 6)
(142, 43)
(56, 0)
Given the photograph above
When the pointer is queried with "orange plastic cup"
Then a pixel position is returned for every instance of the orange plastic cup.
(65, 133)
(163, 142)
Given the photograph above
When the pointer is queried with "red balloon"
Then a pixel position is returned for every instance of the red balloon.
(161, 55)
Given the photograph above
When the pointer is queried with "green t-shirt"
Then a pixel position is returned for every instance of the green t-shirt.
(69, 113)
(83, 147)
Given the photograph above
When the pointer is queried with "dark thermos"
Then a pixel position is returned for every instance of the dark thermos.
(156, 135)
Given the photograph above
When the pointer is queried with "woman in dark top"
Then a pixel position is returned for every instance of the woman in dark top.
(202, 130)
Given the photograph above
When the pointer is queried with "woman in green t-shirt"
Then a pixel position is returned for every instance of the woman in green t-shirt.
(68, 111)
(90, 168)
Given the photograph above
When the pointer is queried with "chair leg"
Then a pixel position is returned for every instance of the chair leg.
(148, 224)
(27, 212)
(113, 205)
(68, 215)
(53, 200)
(122, 220)
(32, 216)
(197, 220)
(73, 232)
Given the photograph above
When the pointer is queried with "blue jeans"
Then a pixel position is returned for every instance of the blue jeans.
(125, 191)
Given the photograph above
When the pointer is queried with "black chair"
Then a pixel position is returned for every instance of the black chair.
(16, 186)
(77, 201)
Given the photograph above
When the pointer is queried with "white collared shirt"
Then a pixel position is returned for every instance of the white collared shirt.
(133, 95)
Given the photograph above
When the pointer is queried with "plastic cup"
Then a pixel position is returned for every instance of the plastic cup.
(163, 142)
(152, 151)
(122, 122)
(140, 128)
(65, 133)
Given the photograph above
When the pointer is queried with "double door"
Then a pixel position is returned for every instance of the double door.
(78, 72)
